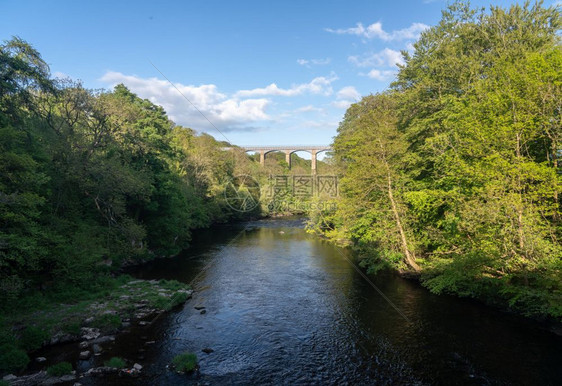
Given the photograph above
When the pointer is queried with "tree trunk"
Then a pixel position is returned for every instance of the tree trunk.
(410, 257)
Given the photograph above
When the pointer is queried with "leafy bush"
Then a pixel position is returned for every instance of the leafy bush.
(60, 369)
(6, 336)
(12, 359)
(115, 362)
(33, 338)
(185, 362)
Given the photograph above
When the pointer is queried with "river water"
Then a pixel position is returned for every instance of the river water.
(285, 307)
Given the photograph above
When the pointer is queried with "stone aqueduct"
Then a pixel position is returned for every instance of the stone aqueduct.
(288, 150)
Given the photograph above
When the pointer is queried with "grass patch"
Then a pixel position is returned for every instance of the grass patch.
(32, 338)
(107, 322)
(12, 359)
(115, 362)
(60, 369)
(184, 363)
(6, 336)
(71, 327)
(158, 301)
(177, 298)
(172, 285)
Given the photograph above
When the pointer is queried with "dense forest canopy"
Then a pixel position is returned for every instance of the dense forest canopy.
(96, 178)
(454, 172)
(89, 178)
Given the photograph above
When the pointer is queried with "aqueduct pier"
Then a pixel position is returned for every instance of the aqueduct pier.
(288, 150)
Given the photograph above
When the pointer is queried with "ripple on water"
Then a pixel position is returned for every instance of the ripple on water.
(289, 309)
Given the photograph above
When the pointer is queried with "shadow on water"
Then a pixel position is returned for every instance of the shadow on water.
(283, 307)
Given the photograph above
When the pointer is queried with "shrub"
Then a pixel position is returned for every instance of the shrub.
(33, 338)
(12, 359)
(6, 336)
(115, 362)
(185, 362)
(60, 369)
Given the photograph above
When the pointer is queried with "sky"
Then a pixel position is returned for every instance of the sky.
(260, 72)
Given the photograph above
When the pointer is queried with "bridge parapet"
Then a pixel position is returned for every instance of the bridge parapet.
(288, 150)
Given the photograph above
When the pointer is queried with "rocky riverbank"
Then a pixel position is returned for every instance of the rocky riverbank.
(91, 324)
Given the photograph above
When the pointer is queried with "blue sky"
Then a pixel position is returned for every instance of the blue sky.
(263, 72)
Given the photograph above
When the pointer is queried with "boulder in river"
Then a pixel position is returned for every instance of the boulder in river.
(90, 333)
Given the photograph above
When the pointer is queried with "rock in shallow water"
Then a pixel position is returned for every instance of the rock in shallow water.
(90, 333)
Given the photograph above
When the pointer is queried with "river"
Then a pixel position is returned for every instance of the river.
(285, 307)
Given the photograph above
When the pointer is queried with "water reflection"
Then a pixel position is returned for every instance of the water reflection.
(283, 307)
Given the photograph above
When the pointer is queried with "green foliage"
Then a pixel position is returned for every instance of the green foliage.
(59, 369)
(458, 164)
(115, 362)
(12, 359)
(184, 363)
(107, 322)
(172, 285)
(90, 180)
(72, 327)
(32, 338)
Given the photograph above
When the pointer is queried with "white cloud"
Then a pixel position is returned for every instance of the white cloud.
(323, 125)
(227, 113)
(345, 97)
(319, 85)
(308, 109)
(375, 30)
(348, 92)
(381, 75)
(341, 104)
(386, 57)
(315, 62)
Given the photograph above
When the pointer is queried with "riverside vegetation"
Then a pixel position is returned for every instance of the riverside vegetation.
(453, 174)
(90, 181)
